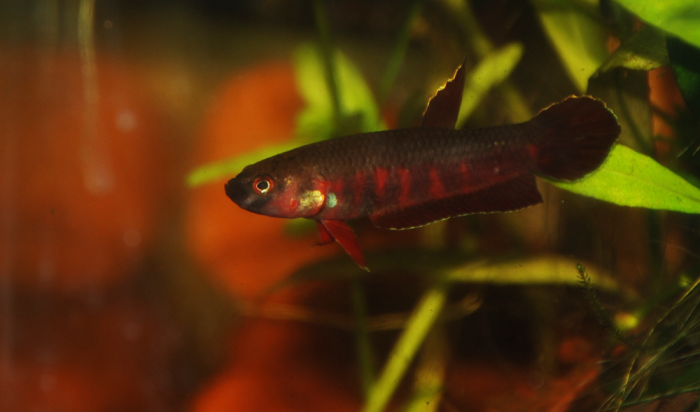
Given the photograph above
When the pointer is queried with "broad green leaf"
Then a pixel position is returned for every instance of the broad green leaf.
(577, 34)
(227, 169)
(317, 120)
(629, 178)
(491, 71)
(644, 50)
(679, 17)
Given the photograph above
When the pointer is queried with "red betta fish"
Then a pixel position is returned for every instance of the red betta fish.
(408, 178)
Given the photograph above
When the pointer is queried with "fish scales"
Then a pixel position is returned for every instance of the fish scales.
(407, 178)
(491, 155)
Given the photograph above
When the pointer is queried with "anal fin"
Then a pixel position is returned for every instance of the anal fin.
(343, 234)
(514, 194)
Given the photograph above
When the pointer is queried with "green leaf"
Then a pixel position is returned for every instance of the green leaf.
(629, 178)
(626, 93)
(429, 374)
(453, 267)
(576, 31)
(685, 61)
(679, 17)
(491, 71)
(317, 120)
(227, 169)
(536, 270)
(644, 50)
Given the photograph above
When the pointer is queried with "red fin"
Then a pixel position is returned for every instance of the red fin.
(343, 234)
(577, 135)
(443, 108)
(326, 237)
(517, 193)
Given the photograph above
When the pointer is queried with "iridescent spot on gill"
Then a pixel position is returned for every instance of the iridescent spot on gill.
(310, 200)
(332, 200)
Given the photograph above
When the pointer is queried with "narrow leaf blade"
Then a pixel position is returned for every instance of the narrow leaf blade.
(491, 71)
(576, 35)
(401, 356)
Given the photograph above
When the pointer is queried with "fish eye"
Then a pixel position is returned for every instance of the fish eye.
(263, 185)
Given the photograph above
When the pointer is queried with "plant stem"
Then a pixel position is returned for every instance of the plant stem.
(481, 46)
(362, 342)
(422, 320)
(399, 52)
(326, 44)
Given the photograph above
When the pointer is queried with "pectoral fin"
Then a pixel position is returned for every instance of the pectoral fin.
(343, 234)
(443, 108)
(517, 193)
(326, 237)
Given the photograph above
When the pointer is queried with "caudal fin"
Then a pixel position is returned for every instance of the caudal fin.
(577, 135)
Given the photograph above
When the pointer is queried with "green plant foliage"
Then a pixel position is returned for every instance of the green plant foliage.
(491, 71)
(685, 61)
(577, 35)
(626, 93)
(679, 17)
(317, 121)
(663, 362)
(454, 267)
(430, 372)
(644, 50)
(602, 314)
(543, 269)
(405, 349)
(629, 178)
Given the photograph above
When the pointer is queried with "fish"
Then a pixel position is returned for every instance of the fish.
(408, 178)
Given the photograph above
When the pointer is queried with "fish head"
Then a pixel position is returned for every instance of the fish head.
(276, 188)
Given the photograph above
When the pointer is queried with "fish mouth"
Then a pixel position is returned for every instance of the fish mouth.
(236, 192)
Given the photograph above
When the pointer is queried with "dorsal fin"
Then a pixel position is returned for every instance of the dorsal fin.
(443, 108)
(517, 193)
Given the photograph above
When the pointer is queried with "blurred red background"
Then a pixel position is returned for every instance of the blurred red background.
(123, 289)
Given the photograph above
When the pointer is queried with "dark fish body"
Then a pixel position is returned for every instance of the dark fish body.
(396, 169)
(411, 177)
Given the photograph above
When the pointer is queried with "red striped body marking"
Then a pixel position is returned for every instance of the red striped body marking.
(411, 177)
(381, 176)
(437, 191)
(358, 192)
(404, 181)
(465, 177)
